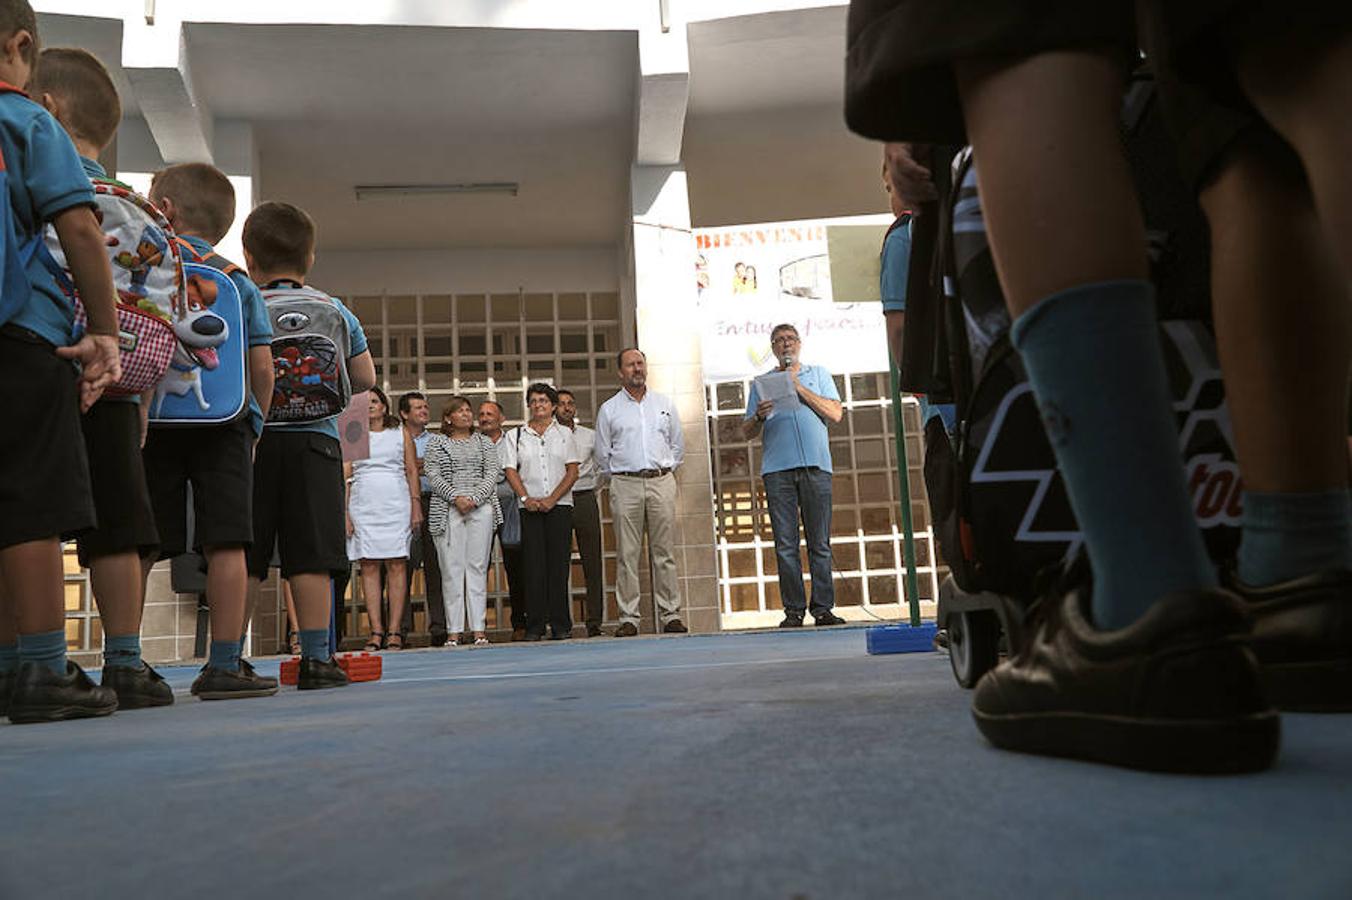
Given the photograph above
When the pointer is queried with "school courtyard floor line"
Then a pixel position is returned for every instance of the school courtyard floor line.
(785, 765)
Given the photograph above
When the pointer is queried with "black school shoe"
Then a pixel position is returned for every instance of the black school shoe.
(1302, 636)
(1176, 691)
(827, 618)
(222, 684)
(318, 674)
(40, 695)
(137, 688)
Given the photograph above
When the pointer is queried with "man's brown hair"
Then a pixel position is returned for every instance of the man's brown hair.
(204, 199)
(82, 88)
(16, 16)
(280, 238)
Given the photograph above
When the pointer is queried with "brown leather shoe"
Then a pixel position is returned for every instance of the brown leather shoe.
(626, 629)
(518, 634)
(675, 626)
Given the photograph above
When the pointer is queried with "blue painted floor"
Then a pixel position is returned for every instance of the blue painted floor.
(752, 765)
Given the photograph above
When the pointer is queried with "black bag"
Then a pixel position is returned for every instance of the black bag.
(999, 504)
(510, 533)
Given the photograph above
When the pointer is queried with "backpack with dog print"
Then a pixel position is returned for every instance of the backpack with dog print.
(208, 378)
(310, 343)
(147, 275)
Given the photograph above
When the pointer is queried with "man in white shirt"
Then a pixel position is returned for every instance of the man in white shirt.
(586, 513)
(413, 409)
(638, 447)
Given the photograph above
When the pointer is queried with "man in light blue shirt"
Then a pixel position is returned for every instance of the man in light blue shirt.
(796, 469)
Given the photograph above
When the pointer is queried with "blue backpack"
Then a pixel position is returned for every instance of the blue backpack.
(208, 378)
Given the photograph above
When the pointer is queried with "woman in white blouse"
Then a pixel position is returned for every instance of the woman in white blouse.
(540, 460)
(384, 504)
(462, 470)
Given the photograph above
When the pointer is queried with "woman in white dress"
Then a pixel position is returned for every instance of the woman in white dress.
(383, 507)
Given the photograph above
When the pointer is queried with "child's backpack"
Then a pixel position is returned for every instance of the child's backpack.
(310, 343)
(147, 274)
(208, 378)
(1000, 507)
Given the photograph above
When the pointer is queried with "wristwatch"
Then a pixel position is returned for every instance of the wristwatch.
(523, 498)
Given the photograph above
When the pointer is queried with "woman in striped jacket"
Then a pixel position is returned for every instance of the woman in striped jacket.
(462, 470)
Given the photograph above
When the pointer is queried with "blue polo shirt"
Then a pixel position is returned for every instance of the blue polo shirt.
(356, 346)
(800, 439)
(257, 325)
(896, 269)
(45, 179)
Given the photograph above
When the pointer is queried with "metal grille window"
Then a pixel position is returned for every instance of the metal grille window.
(866, 535)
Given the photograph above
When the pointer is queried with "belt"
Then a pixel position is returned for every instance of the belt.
(646, 473)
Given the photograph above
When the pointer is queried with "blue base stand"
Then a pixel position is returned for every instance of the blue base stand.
(901, 638)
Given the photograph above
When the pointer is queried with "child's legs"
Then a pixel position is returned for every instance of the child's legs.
(1302, 84)
(1056, 191)
(452, 553)
(35, 582)
(292, 622)
(1069, 245)
(1283, 323)
(313, 595)
(227, 591)
(396, 582)
(118, 587)
(478, 545)
(370, 591)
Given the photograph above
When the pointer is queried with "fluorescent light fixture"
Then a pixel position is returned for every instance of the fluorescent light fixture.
(368, 191)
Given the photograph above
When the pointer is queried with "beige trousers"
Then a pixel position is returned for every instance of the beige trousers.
(636, 505)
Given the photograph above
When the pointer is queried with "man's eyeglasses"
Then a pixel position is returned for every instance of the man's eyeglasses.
(785, 339)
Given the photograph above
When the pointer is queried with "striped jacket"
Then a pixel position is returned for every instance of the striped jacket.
(460, 469)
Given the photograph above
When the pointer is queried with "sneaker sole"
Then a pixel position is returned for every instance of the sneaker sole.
(237, 695)
(1196, 746)
(33, 715)
(1314, 687)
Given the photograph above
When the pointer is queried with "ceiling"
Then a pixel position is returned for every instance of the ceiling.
(334, 106)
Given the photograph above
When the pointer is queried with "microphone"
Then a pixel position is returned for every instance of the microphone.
(786, 360)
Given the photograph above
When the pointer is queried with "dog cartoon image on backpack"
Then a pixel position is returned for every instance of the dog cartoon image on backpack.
(207, 381)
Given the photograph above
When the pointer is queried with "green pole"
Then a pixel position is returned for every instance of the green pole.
(904, 494)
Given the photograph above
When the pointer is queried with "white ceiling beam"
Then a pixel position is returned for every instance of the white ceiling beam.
(663, 92)
(155, 60)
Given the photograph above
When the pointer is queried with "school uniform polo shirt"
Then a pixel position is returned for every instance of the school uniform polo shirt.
(797, 439)
(540, 460)
(45, 178)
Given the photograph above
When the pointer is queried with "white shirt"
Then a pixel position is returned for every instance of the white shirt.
(586, 446)
(541, 460)
(633, 435)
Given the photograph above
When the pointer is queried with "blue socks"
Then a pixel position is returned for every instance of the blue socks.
(1093, 357)
(48, 649)
(122, 651)
(225, 655)
(9, 658)
(314, 643)
(1287, 536)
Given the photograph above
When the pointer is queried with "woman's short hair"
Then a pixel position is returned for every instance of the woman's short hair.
(541, 387)
(452, 404)
(390, 420)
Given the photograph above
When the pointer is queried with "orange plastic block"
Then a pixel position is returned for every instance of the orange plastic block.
(358, 666)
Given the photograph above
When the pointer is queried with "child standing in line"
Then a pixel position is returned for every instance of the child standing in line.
(217, 460)
(75, 88)
(298, 471)
(45, 493)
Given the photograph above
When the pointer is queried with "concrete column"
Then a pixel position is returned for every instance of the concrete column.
(667, 324)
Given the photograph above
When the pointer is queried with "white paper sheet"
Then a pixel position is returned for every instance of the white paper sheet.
(778, 386)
